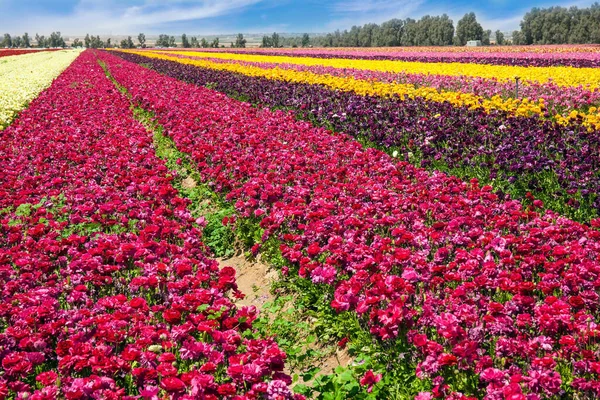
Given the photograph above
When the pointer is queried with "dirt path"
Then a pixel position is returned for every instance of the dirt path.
(255, 279)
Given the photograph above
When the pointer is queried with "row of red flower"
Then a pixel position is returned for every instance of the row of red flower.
(486, 292)
(16, 52)
(105, 289)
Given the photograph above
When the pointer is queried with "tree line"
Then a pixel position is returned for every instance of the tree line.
(54, 40)
(560, 25)
(553, 25)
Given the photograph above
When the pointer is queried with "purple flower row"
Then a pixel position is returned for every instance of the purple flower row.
(558, 99)
(542, 58)
(560, 165)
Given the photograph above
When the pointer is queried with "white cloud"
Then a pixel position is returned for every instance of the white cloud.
(359, 12)
(112, 17)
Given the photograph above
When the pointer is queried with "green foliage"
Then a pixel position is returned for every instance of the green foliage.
(165, 41)
(428, 31)
(127, 43)
(240, 42)
(559, 25)
(185, 43)
(468, 28)
(499, 37)
(142, 40)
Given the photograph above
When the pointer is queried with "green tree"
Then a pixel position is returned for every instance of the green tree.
(162, 41)
(26, 40)
(499, 37)
(391, 32)
(275, 39)
(185, 43)
(77, 43)
(7, 42)
(240, 41)
(127, 43)
(468, 28)
(86, 40)
(194, 42)
(204, 43)
(410, 33)
(142, 40)
(215, 43)
(172, 41)
(56, 40)
(305, 40)
(266, 41)
(517, 38)
(485, 40)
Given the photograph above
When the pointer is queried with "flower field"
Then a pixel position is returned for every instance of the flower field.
(453, 247)
(540, 56)
(24, 76)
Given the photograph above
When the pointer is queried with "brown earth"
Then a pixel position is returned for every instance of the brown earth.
(255, 279)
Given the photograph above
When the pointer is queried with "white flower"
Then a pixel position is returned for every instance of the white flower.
(28, 75)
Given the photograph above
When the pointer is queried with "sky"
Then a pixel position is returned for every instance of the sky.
(205, 17)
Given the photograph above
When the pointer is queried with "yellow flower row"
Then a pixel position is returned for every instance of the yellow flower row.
(519, 107)
(23, 77)
(562, 76)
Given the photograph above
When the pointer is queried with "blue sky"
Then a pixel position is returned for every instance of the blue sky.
(76, 17)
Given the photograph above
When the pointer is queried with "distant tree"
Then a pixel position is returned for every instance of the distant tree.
(142, 40)
(56, 40)
(266, 41)
(517, 38)
(499, 37)
(194, 42)
(240, 41)
(26, 40)
(16, 42)
(7, 42)
(468, 28)
(215, 43)
(305, 40)
(365, 36)
(275, 40)
(409, 34)
(204, 43)
(108, 44)
(77, 43)
(391, 32)
(485, 40)
(162, 41)
(558, 25)
(86, 40)
(185, 43)
(172, 41)
(96, 42)
(126, 43)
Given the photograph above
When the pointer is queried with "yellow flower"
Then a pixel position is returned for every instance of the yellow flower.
(562, 76)
(519, 107)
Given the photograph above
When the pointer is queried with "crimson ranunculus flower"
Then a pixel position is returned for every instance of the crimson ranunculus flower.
(369, 379)
(172, 316)
(172, 385)
(227, 389)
